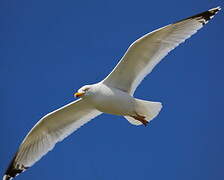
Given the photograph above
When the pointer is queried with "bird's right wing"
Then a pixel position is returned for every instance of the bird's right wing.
(51, 129)
(146, 52)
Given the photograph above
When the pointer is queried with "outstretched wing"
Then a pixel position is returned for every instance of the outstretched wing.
(145, 53)
(51, 129)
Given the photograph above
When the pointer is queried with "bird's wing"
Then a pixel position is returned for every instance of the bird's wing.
(51, 129)
(145, 53)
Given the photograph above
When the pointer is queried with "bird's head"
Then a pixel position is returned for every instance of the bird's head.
(83, 91)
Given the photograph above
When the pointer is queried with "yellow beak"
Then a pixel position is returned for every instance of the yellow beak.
(78, 95)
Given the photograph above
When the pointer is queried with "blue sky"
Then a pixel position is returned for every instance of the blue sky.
(49, 49)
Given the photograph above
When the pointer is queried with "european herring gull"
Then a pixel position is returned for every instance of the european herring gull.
(113, 95)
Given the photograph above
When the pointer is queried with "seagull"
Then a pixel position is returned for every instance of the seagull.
(113, 95)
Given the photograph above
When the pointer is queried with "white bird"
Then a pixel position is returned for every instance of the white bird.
(113, 95)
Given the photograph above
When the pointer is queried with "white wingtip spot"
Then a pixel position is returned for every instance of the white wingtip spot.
(6, 177)
(217, 8)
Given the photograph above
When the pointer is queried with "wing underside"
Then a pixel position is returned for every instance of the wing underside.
(51, 129)
(145, 53)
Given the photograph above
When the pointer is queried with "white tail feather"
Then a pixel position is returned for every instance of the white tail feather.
(148, 109)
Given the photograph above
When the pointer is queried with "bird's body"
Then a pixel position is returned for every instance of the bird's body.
(111, 100)
(113, 95)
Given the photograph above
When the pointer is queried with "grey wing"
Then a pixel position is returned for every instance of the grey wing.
(51, 129)
(145, 53)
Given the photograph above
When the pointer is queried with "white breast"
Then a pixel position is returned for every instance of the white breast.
(112, 101)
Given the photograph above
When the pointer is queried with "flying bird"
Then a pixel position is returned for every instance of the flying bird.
(113, 95)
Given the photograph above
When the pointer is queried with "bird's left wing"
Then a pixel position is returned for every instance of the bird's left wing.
(145, 53)
(51, 129)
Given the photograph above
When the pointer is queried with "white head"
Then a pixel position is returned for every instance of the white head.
(83, 91)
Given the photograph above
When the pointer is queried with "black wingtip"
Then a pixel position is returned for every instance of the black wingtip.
(13, 170)
(205, 16)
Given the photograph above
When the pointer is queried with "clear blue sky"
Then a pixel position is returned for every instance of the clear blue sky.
(50, 48)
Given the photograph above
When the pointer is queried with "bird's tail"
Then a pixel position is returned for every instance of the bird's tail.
(148, 109)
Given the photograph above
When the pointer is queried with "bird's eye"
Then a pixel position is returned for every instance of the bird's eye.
(86, 89)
